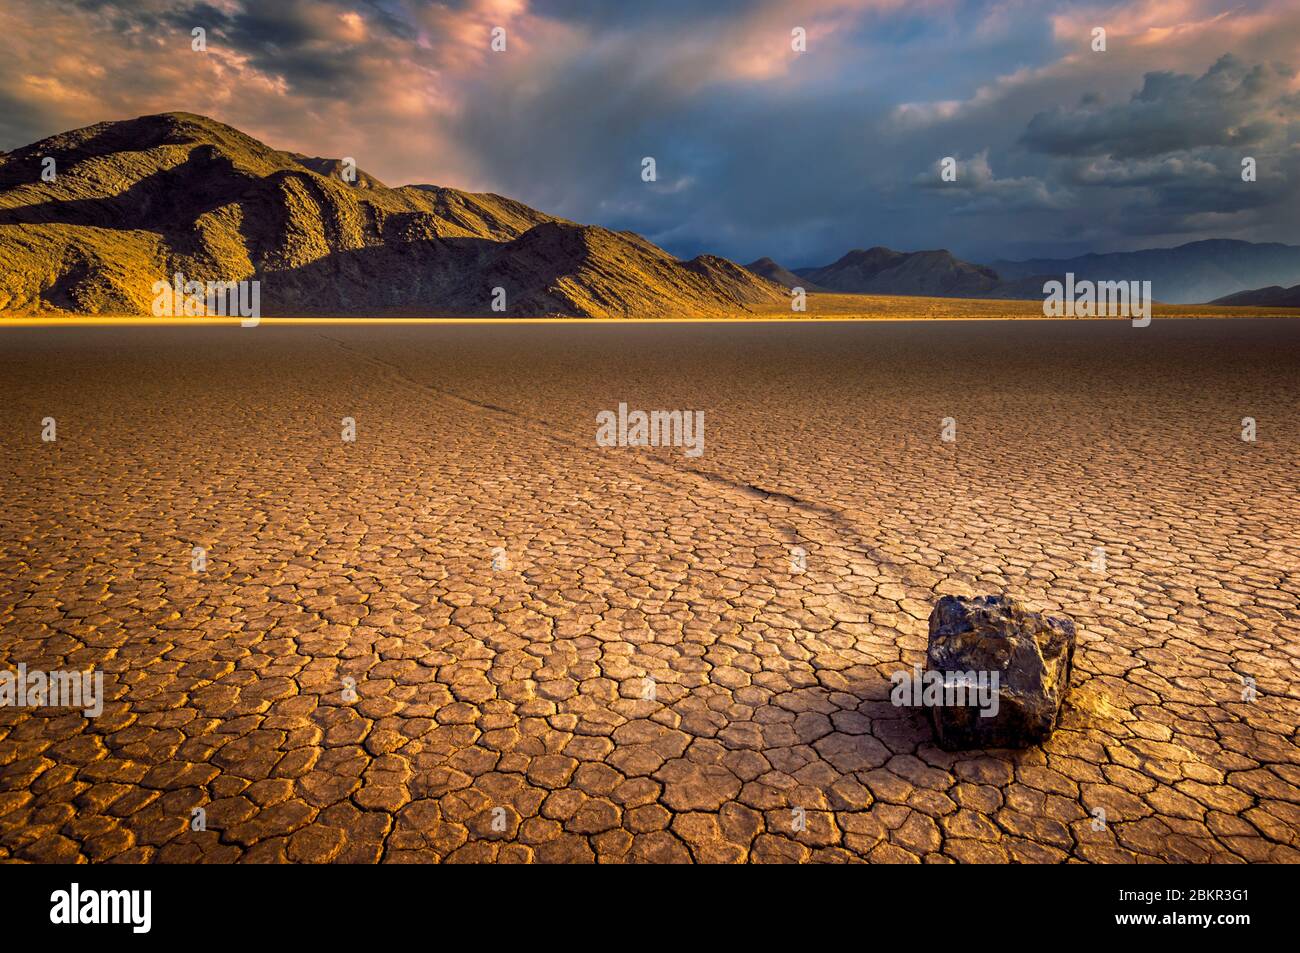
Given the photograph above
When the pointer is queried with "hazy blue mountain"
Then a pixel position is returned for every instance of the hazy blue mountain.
(1189, 274)
(1274, 296)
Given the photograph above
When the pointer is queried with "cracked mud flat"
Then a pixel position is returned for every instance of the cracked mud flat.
(515, 695)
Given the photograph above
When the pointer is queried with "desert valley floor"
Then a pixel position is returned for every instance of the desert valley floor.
(500, 591)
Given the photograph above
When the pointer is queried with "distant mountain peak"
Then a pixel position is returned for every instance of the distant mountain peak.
(881, 270)
(769, 269)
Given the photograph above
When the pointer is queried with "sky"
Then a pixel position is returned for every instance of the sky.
(759, 149)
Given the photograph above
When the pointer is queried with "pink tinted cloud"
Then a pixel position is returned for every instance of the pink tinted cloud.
(1181, 33)
(755, 46)
(75, 69)
(1142, 36)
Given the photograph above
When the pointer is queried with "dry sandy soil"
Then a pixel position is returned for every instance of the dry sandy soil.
(908, 307)
(500, 713)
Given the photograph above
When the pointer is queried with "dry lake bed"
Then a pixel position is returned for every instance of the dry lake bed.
(473, 634)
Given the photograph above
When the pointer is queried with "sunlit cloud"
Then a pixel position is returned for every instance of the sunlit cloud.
(764, 150)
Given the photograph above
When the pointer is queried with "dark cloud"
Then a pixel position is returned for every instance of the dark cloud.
(1232, 104)
(759, 151)
(1169, 159)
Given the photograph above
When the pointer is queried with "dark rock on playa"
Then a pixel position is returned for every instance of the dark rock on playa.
(1030, 655)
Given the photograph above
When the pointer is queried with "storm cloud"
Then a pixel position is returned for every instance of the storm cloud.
(760, 149)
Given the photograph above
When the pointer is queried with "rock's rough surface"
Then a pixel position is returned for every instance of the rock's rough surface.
(1030, 654)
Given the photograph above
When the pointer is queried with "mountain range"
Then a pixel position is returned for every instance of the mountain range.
(1207, 271)
(134, 202)
(1203, 271)
(883, 271)
(1274, 296)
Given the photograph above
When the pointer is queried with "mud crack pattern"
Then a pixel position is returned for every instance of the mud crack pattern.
(505, 714)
